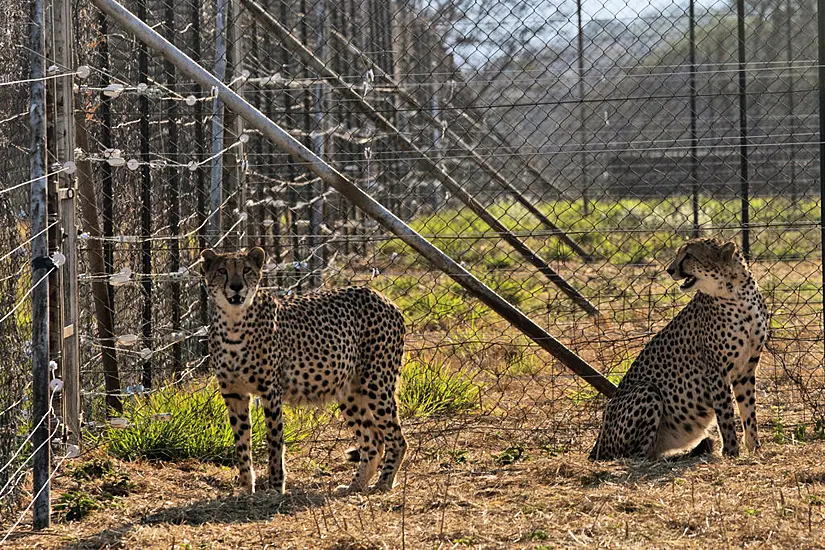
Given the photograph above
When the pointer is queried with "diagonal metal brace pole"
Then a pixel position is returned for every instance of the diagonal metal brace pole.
(344, 88)
(356, 195)
(491, 170)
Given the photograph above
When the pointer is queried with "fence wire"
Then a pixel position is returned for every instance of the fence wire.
(15, 261)
(600, 134)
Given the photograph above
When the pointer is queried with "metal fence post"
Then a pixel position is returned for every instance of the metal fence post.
(582, 114)
(237, 52)
(694, 139)
(216, 187)
(145, 204)
(820, 20)
(104, 315)
(744, 177)
(174, 185)
(40, 272)
(316, 209)
(791, 102)
(65, 146)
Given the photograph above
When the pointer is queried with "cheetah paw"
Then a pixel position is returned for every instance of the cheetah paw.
(346, 490)
(343, 490)
(242, 490)
(382, 488)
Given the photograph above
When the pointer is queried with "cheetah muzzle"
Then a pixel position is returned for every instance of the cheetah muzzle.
(680, 385)
(343, 345)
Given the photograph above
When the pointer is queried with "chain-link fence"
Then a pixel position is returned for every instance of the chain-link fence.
(559, 151)
(15, 273)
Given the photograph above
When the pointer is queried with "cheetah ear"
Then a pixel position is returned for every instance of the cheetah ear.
(257, 255)
(208, 256)
(727, 251)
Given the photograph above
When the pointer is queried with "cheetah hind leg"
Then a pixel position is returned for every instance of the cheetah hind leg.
(631, 424)
(704, 448)
(386, 417)
(396, 444)
(359, 418)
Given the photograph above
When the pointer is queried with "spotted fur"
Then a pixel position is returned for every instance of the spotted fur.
(343, 345)
(681, 382)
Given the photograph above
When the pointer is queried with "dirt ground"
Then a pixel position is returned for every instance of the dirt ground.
(469, 497)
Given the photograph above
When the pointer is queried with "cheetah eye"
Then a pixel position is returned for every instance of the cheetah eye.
(222, 271)
(247, 270)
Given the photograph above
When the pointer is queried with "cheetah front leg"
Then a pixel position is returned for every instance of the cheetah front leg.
(745, 392)
(723, 407)
(273, 409)
(237, 407)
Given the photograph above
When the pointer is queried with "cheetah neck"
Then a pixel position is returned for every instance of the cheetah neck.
(231, 320)
(747, 291)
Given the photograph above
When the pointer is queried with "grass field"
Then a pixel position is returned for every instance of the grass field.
(498, 429)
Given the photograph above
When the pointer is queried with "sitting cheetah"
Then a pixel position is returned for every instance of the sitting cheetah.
(681, 382)
(344, 345)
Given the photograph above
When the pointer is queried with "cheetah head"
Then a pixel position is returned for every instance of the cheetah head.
(233, 278)
(710, 266)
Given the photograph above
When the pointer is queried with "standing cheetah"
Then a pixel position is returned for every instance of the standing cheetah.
(343, 345)
(681, 382)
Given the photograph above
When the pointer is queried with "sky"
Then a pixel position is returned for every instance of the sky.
(550, 21)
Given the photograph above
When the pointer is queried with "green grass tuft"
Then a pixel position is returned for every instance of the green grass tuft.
(432, 390)
(197, 427)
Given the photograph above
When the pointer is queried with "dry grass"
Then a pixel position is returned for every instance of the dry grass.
(469, 496)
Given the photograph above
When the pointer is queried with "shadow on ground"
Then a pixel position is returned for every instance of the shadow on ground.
(237, 509)
(229, 509)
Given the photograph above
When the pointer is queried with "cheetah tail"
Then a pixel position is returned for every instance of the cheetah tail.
(352, 454)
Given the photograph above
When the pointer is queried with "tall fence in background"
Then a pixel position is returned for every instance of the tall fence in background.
(559, 151)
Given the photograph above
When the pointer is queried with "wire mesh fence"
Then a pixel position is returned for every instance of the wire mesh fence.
(559, 151)
(15, 275)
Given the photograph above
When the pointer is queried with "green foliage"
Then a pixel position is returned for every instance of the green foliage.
(507, 288)
(520, 358)
(180, 423)
(74, 505)
(92, 469)
(458, 456)
(430, 389)
(625, 231)
(437, 305)
(539, 534)
(498, 261)
(800, 432)
(553, 449)
(778, 432)
(197, 427)
(510, 455)
(98, 486)
(117, 484)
